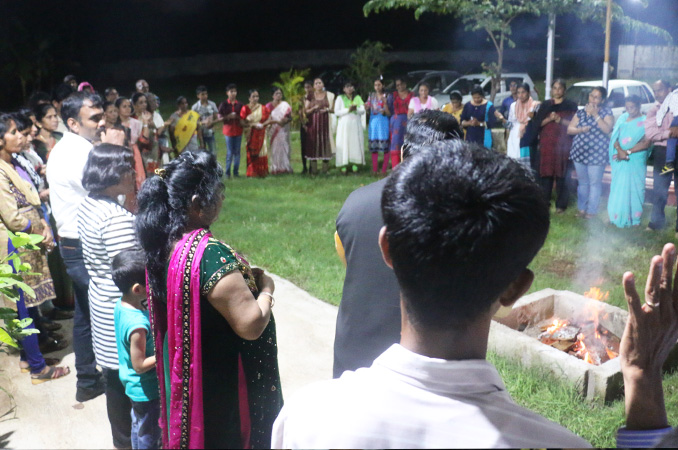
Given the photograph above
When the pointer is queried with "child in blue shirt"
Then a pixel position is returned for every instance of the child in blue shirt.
(136, 351)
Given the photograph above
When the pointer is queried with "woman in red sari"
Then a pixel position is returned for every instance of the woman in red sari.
(256, 118)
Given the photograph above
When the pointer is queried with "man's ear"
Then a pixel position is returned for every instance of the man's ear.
(73, 125)
(517, 288)
(383, 245)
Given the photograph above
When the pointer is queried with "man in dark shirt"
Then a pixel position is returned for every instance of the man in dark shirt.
(369, 314)
(229, 113)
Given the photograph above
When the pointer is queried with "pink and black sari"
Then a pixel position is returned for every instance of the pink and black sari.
(218, 390)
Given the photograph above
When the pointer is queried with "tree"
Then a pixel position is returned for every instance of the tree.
(495, 18)
(368, 62)
(291, 85)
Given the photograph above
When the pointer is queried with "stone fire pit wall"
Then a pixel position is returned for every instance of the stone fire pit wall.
(596, 383)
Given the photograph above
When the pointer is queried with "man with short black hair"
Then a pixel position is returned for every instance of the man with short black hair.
(462, 223)
(229, 114)
(81, 112)
(208, 115)
(60, 93)
(366, 328)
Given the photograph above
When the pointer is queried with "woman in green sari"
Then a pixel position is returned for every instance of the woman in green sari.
(628, 158)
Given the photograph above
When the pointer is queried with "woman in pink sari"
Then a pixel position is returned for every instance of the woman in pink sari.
(279, 132)
(211, 315)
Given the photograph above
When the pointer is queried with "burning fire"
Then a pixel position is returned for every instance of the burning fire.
(596, 294)
(557, 324)
(583, 337)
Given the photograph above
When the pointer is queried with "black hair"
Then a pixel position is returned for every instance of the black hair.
(252, 91)
(559, 81)
(164, 203)
(400, 78)
(106, 164)
(348, 83)
(231, 86)
(5, 120)
(128, 268)
(136, 96)
(477, 90)
(41, 111)
(22, 121)
(462, 223)
(633, 99)
(308, 82)
(201, 88)
(39, 98)
(61, 92)
(602, 90)
(275, 89)
(109, 90)
(525, 86)
(180, 99)
(69, 78)
(119, 100)
(107, 104)
(424, 83)
(456, 95)
(70, 108)
(428, 126)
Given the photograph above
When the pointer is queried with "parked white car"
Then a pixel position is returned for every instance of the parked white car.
(465, 83)
(617, 91)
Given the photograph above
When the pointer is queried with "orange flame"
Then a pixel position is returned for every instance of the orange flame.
(557, 324)
(596, 294)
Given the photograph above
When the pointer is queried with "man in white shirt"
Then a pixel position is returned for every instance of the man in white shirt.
(461, 226)
(81, 112)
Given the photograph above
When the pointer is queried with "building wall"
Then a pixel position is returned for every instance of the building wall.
(645, 62)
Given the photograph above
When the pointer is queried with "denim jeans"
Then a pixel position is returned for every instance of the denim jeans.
(233, 154)
(119, 409)
(660, 191)
(210, 143)
(145, 428)
(590, 179)
(85, 362)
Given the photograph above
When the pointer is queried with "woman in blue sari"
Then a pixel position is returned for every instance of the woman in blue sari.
(628, 157)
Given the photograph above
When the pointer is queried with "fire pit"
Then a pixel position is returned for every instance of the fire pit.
(574, 337)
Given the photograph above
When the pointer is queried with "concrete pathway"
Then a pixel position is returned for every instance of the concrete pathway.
(47, 415)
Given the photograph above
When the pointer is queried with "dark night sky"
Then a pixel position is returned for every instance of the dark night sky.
(105, 30)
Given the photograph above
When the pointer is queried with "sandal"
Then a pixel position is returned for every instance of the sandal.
(52, 374)
(48, 361)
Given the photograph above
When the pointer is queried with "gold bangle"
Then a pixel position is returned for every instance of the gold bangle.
(270, 299)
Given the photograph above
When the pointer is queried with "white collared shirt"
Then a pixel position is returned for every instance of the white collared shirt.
(64, 174)
(406, 400)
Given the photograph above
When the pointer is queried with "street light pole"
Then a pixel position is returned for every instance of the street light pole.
(549, 56)
(606, 64)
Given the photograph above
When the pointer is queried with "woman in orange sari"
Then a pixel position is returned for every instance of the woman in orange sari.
(255, 118)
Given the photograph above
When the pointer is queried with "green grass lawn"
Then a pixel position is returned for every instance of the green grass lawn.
(286, 225)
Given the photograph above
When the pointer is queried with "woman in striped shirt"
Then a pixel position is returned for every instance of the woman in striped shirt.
(105, 229)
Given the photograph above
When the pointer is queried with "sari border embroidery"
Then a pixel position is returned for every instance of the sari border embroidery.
(186, 327)
(218, 275)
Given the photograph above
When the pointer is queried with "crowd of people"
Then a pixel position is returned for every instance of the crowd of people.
(176, 329)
